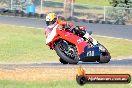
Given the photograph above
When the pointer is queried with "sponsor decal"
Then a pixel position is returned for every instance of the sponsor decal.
(90, 53)
(80, 40)
(83, 78)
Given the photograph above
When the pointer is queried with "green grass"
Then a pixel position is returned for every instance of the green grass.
(57, 84)
(117, 47)
(94, 2)
(27, 45)
(19, 44)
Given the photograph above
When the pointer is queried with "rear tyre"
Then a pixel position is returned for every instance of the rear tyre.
(105, 55)
(69, 55)
(62, 61)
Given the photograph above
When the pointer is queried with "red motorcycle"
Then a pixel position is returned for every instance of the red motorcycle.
(71, 48)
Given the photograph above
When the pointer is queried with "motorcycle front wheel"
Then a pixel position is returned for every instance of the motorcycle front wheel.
(104, 54)
(67, 52)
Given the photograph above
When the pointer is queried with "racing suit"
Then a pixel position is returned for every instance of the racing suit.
(80, 31)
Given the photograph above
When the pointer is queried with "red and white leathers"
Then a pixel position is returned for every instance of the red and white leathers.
(60, 24)
(57, 24)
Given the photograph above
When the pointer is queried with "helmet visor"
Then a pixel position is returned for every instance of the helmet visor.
(48, 23)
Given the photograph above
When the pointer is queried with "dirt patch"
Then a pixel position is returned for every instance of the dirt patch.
(53, 74)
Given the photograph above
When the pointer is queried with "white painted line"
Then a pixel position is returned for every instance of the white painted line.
(120, 59)
(30, 27)
(95, 35)
(113, 37)
(22, 17)
(20, 26)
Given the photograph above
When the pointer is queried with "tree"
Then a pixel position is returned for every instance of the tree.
(121, 14)
(121, 3)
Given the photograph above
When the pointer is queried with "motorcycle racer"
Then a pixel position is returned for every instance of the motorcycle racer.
(52, 21)
(70, 43)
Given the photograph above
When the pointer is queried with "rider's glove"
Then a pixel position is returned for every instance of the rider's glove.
(77, 31)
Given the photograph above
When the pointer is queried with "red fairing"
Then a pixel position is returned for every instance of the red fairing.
(70, 37)
(51, 44)
(74, 39)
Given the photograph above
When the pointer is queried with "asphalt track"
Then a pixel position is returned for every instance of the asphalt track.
(124, 63)
(118, 31)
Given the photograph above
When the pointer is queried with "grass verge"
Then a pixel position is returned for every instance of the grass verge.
(95, 2)
(26, 45)
(57, 84)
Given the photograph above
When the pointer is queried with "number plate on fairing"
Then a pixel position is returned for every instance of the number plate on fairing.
(92, 51)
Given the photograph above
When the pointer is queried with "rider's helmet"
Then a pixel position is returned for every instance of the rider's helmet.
(51, 18)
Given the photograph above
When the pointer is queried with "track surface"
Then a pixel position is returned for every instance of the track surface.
(119, 31)
(126, 63)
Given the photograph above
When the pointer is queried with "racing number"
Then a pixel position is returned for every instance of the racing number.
(90, 53)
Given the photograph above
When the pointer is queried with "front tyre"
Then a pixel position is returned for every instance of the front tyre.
(67, 52)
(104, 54)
